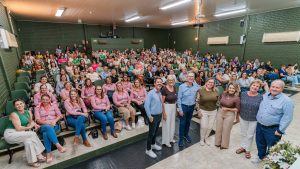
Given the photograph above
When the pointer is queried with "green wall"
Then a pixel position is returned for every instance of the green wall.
(41, 36)
(121, 44)
(8, 61)
(254, 27)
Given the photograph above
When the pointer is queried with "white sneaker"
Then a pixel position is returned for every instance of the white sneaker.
(151, 153)
(202, 143)
(168, 145)
(128, 127)
(207, 142)
(156, 147)
(173, 141)
(256, 160)
(133, 125)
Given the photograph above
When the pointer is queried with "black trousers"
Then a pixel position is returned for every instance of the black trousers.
(153, 128)
(143, 112)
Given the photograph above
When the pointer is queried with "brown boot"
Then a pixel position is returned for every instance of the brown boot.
(114, 135)
(76, 140)
(86, 143)
(105, 136)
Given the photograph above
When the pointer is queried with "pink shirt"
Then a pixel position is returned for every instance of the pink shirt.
(41, 113)
(107, 87)
(38, 100)
(65, 93)
(138, 96)
(127, 86)
(60, 61)
(120, 98)
(76, 109)
(95, 66)
(87, 91)
(99, 104)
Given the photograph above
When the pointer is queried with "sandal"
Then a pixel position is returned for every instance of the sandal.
(42, 160)
(240, 150)
(35, 165)
(247, 155)
(62, 150)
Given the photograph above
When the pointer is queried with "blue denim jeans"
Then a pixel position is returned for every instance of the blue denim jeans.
(105, 117)
(265, 139)
(185, 120)
(77, 122)
(293, 79)
(49, 135)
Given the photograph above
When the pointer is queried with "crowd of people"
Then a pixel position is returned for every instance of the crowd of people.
(77, 86)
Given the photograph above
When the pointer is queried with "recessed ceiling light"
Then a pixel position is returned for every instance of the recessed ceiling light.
(230, 12)
(132, 18)
(179, 23)
(171, 5)
(59, 12)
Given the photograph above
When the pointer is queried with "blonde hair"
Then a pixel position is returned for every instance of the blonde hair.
(256, 82)
(171, 78)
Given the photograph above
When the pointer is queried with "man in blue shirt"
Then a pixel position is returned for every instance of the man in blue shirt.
(274, 116)
(186, 104)
(153, 107)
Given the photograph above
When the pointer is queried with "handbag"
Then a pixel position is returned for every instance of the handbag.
(118, 126)
(94, 133)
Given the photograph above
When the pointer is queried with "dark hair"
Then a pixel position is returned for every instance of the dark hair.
(85, 84)
(157, 79)
(102, 92)
(45, 95)
(43, 77)
(17, 100)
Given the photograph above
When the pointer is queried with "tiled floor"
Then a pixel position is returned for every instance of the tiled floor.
(210, 157)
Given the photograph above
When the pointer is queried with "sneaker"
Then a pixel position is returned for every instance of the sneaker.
(156, 147)
(202, 143)
(256, 160)
(128, 127)
(207, 142)
(180, 143)
(187, 139)
(133, 125)
(173, 141)
(151, 154)
(168, 145)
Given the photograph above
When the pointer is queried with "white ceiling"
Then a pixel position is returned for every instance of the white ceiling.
(108, 12)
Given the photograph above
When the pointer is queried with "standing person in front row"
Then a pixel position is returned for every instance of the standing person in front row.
(206, 106)
(229, 106)
(186, 103)
(274, 115)
(169, 98)
(250, 101)
(153, 107)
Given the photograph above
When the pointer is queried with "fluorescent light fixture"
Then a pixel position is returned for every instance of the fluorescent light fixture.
(59, 12)
(171, 5)
(179, 23)
(132, 19)
(230, 12)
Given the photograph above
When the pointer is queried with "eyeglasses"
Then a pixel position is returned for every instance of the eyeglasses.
(98, 89)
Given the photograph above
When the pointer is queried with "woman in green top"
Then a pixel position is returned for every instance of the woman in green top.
(20, 131)
(206, 106)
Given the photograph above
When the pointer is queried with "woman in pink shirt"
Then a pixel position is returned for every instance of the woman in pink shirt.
(76, 116)
(122, 100)
(43, 90)
(47, 115)
(94, 65)
(138, 95)
(126, 83)
(109, 88)
(65, 92)
(103, 112)
(87, 91)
